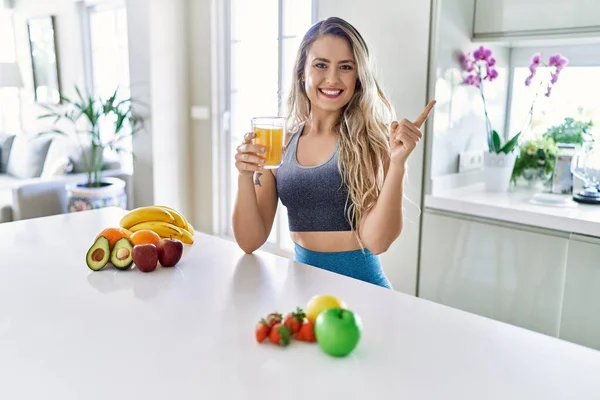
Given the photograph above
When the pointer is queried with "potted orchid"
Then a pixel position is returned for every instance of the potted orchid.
(479, 67)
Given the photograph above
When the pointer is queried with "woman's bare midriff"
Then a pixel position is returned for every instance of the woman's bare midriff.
(326, 241)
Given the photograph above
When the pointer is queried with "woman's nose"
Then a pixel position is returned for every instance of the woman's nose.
(332, 75)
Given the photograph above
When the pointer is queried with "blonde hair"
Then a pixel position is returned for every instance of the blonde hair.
(363, 126)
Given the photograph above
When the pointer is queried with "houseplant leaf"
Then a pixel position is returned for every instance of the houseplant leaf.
(53, 131)
(511, 144)
(495, 142)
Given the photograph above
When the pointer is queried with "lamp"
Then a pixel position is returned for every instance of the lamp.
(10, 75)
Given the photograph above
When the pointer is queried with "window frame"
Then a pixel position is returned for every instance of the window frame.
(87, 8)
(579, 55)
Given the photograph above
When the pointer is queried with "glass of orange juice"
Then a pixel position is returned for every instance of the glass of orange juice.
(269, 133)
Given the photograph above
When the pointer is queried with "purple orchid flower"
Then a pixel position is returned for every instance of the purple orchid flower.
(492, 73)
(478, 67)
(482, 54)
(557, 61)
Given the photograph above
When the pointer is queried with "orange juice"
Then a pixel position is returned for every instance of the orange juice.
(269, 133)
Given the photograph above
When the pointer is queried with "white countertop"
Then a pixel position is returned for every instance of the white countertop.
(515, 206)
(68, 333)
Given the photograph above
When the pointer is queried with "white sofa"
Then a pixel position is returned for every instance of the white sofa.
(34, 172)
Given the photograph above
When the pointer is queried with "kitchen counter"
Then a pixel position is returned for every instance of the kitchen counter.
(516, 207)
(188, 332)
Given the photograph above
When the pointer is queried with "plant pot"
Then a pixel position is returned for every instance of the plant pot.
(111, 193)
(497, 170)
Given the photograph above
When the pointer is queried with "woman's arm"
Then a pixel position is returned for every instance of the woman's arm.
(254, 211)
(383, 223)
(256, 200)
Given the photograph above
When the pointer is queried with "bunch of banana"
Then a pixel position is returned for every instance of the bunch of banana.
(165, 221)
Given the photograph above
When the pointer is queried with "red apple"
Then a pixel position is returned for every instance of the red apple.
(145, 257)
(170, 252)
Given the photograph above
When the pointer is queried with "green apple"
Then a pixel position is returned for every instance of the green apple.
(338, 331)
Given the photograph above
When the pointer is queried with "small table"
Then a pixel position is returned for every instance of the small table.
(68, 333)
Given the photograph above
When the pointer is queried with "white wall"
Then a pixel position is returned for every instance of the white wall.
(138, 31)
(458, 123)
(204, 133)
(170, 104)
(399, 42)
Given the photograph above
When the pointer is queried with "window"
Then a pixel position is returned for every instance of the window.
(264, 36)
(575, 93)
(108, 49)
(108, 58)
(10, 101)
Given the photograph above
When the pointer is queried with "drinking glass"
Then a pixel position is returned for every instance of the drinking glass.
(269, 133)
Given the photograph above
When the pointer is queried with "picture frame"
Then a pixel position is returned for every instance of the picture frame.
(43, 47)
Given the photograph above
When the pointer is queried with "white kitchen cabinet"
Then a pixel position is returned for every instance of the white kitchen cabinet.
(505, 272)
(497, 18)
(580, 322)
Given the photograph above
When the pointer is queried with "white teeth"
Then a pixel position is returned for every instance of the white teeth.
(331, 92)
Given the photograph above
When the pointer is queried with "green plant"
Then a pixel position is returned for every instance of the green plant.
(569, 131)
(495, 146)
(536, 156)
(97, 113)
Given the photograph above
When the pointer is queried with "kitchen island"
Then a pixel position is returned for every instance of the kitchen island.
(187, 332)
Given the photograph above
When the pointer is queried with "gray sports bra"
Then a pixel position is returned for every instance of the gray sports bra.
(314, 196)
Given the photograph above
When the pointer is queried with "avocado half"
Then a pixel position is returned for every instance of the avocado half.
(98, 254)
(121, 255)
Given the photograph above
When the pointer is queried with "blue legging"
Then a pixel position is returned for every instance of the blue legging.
(355, 264)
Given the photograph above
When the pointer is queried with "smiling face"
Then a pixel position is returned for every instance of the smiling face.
(330, 73)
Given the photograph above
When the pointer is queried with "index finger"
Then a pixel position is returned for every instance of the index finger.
(424, 114)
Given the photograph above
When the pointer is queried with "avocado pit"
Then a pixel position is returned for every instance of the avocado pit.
(122, 254)
(98, 255)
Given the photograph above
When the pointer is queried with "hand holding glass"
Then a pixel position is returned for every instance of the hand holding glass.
(269, 133)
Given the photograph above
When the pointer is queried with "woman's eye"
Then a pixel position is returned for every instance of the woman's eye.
(320, 65)
(346, 67)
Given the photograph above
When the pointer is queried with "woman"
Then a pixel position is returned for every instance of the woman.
(344, 164)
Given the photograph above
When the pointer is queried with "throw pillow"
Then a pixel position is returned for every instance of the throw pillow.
(27, 156)
(6, 141)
